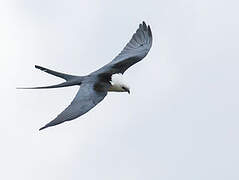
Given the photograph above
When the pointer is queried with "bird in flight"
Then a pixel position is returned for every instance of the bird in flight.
(95, 86)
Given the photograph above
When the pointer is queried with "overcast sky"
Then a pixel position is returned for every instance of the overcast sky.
(180, 121)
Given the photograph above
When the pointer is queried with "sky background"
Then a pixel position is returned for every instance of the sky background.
(180, 121)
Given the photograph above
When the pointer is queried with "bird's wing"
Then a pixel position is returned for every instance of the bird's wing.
(86, 98)
(136, 49)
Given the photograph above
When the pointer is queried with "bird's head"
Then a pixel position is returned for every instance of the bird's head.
(118, 85)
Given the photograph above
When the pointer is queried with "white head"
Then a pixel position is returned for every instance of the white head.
(118, 85)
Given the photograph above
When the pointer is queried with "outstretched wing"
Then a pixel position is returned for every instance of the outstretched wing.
(86, 98)
(136, 49)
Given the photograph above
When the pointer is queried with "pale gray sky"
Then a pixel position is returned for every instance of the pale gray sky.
(180, 121)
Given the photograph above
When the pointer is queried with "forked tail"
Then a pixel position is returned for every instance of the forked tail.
(70, 79)
(64, 84)
(55, 73)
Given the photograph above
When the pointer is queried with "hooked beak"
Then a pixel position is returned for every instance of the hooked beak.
(128, 91)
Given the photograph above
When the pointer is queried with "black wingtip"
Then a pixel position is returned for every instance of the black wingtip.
(144, 26)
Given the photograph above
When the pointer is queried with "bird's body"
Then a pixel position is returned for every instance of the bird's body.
(95, 86)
